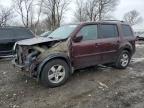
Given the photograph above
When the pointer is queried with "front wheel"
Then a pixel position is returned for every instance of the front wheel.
(123, 60)
(55, 73)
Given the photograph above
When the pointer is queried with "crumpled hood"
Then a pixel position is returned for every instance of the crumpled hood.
(35, 40)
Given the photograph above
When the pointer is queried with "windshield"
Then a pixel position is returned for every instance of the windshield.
(63, 32)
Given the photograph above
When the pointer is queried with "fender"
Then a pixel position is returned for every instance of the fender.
(126, 46)
(53, 56)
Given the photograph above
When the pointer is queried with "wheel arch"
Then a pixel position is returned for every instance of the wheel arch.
(126, 47)
(61, 56)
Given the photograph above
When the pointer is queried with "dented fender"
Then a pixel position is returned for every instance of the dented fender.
(59, 55)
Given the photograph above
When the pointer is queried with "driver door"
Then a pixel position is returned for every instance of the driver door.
(86, 52)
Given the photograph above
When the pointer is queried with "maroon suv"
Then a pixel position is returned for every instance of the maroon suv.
(54, 58)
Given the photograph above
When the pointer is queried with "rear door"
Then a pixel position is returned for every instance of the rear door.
(86, 52)
(109, 42)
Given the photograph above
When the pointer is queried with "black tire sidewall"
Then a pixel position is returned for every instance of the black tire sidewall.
(44, 75)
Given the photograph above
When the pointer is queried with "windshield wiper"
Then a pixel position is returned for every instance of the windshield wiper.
(50, 37)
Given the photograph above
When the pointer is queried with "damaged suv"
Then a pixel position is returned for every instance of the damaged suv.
(54, 58)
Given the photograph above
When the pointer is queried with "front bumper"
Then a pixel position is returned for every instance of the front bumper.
(24, 69)
(28, 65)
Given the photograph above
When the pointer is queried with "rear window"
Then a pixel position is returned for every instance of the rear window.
(108, 31)
(22, 33)
(15, 33)
(127, 30)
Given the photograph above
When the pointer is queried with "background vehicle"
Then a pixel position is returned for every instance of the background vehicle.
(140, 37)
(76, 46)
(10, 35)
(45, 34)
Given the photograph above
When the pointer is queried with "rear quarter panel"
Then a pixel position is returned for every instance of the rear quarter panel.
(127, 42)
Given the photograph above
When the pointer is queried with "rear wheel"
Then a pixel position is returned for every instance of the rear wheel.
(123, 60)
(55, 73)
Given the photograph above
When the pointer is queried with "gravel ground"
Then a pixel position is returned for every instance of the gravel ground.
(95, 87)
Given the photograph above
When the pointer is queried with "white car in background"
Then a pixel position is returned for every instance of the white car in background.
(45, 34)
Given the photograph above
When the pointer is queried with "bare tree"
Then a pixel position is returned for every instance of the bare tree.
(30, 12)
(44, 26)
(24, 9)
(36, 23)
(6, 15)
(80, 14)
(86, 10)
(106, 6)
(133, 17)
(92, 9)
(54, 10)
(96, 9)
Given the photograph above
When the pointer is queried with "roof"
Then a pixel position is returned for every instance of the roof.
(14, 33)
(103, 21)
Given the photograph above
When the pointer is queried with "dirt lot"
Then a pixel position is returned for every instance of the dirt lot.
(95, 87)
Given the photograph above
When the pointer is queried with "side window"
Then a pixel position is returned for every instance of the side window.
(108, 31)
(89, 32)
(127, 30)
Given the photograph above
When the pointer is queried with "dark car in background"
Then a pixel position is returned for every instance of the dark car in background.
(10, 35)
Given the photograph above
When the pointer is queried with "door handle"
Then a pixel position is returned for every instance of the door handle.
(97, 45)
(118, 42)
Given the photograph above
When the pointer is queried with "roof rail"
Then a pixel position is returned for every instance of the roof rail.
(114, 20)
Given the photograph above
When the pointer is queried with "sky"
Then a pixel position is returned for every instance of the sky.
(123, 7)
(128, 5)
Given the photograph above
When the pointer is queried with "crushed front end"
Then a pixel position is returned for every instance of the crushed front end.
(29, 57)
(26, 59)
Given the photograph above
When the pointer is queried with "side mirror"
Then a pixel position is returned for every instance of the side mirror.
(78, 38)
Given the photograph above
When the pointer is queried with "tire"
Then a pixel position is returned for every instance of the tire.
(123, 60)
(54, 70)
